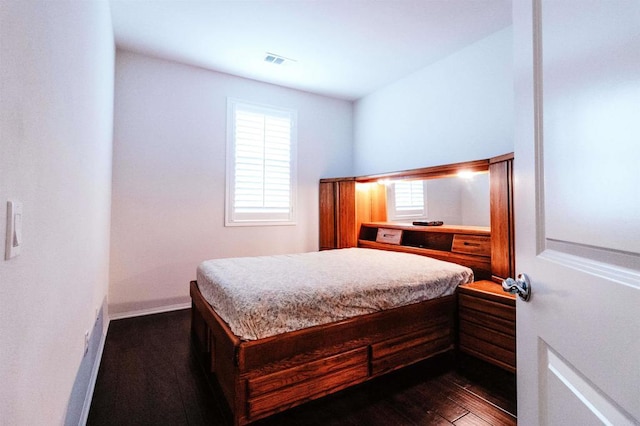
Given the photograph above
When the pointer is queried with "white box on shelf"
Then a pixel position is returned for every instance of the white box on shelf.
(389, 236)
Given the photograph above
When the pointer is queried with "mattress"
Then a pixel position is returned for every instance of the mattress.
(268, 295)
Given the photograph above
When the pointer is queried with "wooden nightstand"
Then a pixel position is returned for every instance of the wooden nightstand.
(487, 323)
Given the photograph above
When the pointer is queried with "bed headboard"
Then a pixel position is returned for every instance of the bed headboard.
(354, 209)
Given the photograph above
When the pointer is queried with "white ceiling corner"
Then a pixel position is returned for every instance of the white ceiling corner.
(342, 48)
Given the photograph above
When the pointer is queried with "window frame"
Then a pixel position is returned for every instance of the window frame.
(232, 217)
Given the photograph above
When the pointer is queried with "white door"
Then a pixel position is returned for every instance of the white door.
(577, 208)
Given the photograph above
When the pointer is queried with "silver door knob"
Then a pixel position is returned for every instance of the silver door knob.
(519, 286)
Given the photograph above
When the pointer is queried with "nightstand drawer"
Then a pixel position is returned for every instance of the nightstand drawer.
(497, 338)
(492, 322)
(487, 306)
(487, 323)
(488, 351)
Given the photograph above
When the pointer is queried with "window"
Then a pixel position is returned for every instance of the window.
(406, 200)
(261, 147)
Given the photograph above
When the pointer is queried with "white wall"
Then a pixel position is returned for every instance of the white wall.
(458, 109)
(169, 176)
(475, 201)
(56, 109)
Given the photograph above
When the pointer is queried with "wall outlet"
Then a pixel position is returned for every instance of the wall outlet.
(86, 342)
(14, 229)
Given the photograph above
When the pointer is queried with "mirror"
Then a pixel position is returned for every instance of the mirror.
(454, 200)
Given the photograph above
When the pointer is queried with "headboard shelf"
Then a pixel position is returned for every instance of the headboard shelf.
(450, 229)
(468, 246)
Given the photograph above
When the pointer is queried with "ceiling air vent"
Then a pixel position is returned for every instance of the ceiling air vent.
(272, 58)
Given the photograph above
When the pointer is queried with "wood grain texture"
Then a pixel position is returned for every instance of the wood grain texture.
(346, 234)
(502, 220)
(487, 351)
(296, 362)
(344, 205)
(339, 213)
(432, 172)
(378, 195)
(222, 358)
(472, 244)
(490, 291)
(292, 376)
(443, 229)
(480, 264)
(500, 325)
(486, 325)
(502, 340)
(467, 246)
(317, 342)
(327, 237)
(319, 386)
(344, 208)
(490, 307)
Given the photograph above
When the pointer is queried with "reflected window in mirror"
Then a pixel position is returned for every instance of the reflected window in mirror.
(406, 200)
(455, 200)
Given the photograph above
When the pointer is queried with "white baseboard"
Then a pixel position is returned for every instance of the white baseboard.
(150, 311)
(94, 376)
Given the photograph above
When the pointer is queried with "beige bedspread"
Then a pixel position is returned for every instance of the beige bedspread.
(268, 295)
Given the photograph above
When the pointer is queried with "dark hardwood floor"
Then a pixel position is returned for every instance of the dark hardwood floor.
(150, 375)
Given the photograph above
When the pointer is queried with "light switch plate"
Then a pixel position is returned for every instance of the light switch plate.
(14, 229)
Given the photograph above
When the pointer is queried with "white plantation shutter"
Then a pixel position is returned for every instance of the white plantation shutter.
(409, 195)
(260, 165)
(407, 199)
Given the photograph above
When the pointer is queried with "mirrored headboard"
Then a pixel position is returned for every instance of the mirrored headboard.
(456, 194)
(455, 200)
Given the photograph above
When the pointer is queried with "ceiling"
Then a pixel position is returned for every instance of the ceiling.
(342, 48)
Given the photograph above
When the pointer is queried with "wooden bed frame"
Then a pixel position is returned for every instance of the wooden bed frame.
(269, 375)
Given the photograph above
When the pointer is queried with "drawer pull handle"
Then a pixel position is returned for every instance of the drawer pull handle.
(520, 286)
(467, 243)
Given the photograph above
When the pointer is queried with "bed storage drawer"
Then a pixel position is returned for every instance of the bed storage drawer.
(404, 350)
(263, 377)
(268, 393)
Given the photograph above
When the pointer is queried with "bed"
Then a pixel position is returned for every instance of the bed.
(280, 330)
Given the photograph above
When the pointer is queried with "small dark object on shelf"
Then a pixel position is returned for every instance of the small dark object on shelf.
(429, 223)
